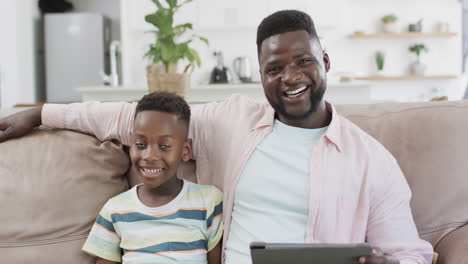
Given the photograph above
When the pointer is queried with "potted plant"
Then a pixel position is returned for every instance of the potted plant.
(418, 68)
(380, 62)
(389, 24)
(169, 51)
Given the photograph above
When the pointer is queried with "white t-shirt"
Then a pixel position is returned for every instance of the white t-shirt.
(272, 196)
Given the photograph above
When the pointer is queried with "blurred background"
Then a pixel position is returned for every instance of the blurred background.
(80, 50)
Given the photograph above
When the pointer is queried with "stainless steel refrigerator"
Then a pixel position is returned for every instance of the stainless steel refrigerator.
(76, 51)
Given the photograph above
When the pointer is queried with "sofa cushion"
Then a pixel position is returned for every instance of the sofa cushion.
(430, 142)
(53, 184)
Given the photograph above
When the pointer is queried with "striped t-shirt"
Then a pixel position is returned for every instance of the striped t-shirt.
(182, 231)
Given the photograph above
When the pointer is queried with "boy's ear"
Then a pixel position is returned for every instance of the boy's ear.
(187, 151)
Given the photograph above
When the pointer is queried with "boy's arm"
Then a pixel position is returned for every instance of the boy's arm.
(214, 256)
(104, 261)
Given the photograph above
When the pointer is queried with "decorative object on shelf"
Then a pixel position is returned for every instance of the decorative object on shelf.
(380, 62)
(418, 68)
(220, 73)
(416, 27)
(242, 67)
(389, 23)
(442, 27)
(167, 52)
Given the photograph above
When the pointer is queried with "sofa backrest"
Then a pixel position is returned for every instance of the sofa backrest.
(53, 184)
(430, 142)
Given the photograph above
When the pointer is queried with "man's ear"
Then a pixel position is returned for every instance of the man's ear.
(326, 61)
(187, 151)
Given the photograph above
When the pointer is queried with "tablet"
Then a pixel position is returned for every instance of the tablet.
(273, 253)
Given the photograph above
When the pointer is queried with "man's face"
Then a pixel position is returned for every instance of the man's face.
(293, 69)
(159, 143)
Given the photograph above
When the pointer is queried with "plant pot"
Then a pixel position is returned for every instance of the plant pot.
(391, 27)
(380, 72)
(417, 68)
(177, 83)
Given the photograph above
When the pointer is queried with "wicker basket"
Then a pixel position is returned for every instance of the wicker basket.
(177, 83)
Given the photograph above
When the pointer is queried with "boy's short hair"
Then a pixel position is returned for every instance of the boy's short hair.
(282, 22)
(165, 102)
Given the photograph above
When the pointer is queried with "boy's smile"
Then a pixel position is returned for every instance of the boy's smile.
(159, 143)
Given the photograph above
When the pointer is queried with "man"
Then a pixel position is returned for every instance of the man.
(293, 170)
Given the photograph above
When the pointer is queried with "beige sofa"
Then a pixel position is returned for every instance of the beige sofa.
(53, 183)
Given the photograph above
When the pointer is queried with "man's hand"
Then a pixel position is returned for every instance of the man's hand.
(378, 257)
(19, 124)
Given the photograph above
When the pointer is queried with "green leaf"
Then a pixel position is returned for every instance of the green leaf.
(172, 3)
(166, 48)
(167, 54)
(204, 40)
(184, 3)
(196, 57)
(158, 4)
(180, 29)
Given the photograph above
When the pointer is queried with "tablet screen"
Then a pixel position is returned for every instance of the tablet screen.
(273, 253)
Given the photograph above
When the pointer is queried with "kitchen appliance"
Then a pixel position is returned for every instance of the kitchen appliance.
(220, 74)
(416, 27)
(76, 51)
(242, 68)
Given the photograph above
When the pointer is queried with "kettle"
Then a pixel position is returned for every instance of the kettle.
(242, 68)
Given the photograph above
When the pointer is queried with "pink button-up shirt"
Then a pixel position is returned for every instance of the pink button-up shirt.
(358, 192)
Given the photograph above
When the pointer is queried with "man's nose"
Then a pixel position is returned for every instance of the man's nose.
(291, 74)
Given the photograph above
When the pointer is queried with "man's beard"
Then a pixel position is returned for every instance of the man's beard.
(315, 99)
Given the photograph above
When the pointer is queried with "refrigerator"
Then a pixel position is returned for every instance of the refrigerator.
(76, 51)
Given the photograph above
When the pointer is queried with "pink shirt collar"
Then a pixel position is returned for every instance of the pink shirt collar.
(332, 135)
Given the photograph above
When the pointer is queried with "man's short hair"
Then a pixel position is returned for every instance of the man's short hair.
(282, 22)
(165, 102)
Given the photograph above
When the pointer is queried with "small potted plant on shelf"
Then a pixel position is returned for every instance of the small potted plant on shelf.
(380, 62)
(167, 52)
(389, 23)
(418, 68)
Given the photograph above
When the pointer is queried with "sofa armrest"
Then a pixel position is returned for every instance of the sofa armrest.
(453, 248)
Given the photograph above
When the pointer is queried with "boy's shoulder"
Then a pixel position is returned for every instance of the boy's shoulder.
(126, 198)
(207, 193)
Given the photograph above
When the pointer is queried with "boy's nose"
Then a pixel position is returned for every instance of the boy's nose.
(152, 153)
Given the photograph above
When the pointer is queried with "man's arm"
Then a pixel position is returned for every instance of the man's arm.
(19, 124)
(391, 226)
(103, 120)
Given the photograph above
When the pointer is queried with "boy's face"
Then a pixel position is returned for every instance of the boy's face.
(159, 143)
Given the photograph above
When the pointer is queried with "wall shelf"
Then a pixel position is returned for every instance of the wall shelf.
(357, 35)
(399, 78)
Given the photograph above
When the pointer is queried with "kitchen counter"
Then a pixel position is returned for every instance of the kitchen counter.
(342, 93)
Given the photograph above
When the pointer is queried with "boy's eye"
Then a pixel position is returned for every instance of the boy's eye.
(164, 146)
(140, 145)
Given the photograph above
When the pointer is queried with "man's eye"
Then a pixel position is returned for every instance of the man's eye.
(304, 61)
(164, 147)
(273, 70)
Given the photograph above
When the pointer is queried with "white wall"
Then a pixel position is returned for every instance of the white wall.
(231, 27)
(18, 21)
(21, 51)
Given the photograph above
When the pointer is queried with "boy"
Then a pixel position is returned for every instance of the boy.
(164, 219)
